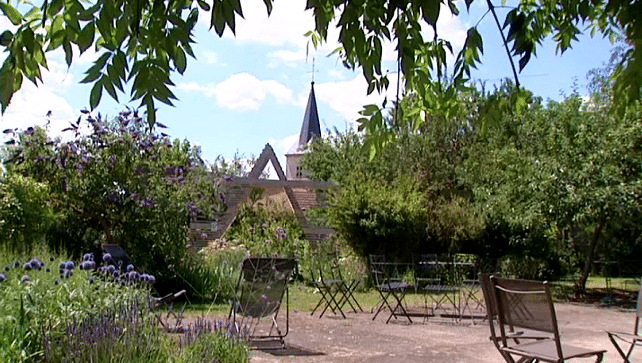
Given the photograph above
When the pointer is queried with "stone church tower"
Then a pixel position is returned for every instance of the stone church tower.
(309, 130)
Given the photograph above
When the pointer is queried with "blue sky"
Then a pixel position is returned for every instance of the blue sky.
(245, 91)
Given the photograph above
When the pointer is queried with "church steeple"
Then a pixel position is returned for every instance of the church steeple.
(311, 127)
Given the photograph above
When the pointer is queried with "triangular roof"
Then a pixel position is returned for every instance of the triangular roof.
(311, 127)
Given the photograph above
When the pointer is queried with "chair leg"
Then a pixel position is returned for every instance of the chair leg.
(619, 350)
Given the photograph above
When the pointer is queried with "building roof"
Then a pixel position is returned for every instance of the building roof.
(310, 127)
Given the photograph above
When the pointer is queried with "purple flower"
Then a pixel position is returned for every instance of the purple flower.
(2, 277)
(130, 268)
(25, 278)
(106, 257)
(151, 279)
(147, 203)
(27, 266)
(87, 257)
(111, 269)
(69, 265)
(133, 276)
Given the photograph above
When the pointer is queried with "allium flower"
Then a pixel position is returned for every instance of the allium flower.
(2, 277)
(70, 265)
(25, 278)
(130, 268)
(87, 257)
(115, 274)
(111, 269)
(106, 257)
(27, 266)
(62, 265)
(204, 235)
(151, 279)
(147, 203)
(133, 276)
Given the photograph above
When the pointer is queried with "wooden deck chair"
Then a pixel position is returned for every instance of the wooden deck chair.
(491, 309)
(258, 297)
(529, 305)
(168, 317)
(632, 339)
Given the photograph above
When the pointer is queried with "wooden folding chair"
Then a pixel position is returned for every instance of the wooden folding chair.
(529, 305)
(632, 339)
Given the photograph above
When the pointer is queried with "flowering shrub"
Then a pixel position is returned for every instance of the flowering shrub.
(118, 182)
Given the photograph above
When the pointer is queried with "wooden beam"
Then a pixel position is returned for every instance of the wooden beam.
(271, 183)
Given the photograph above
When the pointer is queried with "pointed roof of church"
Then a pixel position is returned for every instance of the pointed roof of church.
(310, 127)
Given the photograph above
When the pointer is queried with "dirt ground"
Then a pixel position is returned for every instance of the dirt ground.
(434, 339)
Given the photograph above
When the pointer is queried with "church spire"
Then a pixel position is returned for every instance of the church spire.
(311, 127)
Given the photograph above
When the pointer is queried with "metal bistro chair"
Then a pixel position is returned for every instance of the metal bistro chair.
(529, 305)
(632, 339)
(335, 291)
(492, 313)
(388, 286)
(429, 273)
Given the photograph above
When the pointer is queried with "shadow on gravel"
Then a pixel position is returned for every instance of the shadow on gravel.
(288, 350)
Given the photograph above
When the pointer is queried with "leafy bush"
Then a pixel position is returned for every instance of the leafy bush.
(25, 213)
(267, 230)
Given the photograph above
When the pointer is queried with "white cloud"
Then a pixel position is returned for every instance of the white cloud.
(211, 57)
(242, 91)
(333, 73)
(30, 105)
(348, 97)
(288, 57)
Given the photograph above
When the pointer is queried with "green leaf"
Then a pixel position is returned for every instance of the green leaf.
(109, 87)
(12, 13)
(95, 95)
(180, 61)
(217, 20)
(69, 54)
(86, 37)
(7, 77)
(204, 5)
(430, 11)
(5, 38)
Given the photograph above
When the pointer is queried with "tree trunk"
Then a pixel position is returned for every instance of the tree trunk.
(580, 286)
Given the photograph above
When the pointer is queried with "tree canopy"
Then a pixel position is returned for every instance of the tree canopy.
(144, 43)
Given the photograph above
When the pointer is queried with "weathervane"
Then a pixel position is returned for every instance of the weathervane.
(313, 70)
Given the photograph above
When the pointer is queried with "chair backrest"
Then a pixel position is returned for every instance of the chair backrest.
(525, 304)
(262, 284)
(118, 255)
